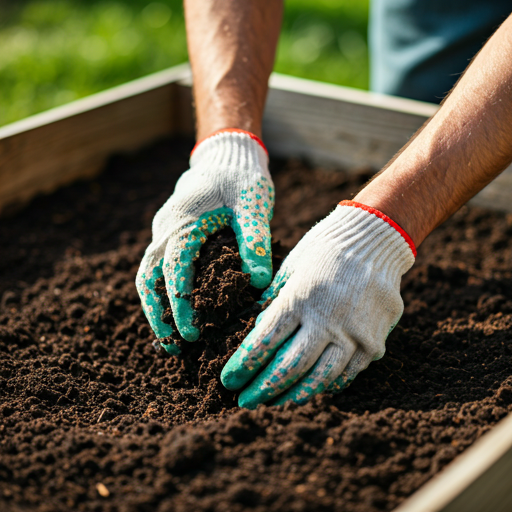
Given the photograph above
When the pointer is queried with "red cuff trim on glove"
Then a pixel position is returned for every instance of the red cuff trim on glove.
(232, 130)
(385, 218)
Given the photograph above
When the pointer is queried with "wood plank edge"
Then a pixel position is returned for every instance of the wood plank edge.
(321, 90)
(463, 471)
(119, 93)
(351, 95)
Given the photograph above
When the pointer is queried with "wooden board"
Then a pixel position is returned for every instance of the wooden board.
(478, 480)
(333, 125)
(43, 152)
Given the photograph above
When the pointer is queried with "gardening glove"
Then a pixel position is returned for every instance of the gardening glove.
(334, 301)
(228, 184)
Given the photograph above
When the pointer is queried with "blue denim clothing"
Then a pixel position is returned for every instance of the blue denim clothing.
(419, 48)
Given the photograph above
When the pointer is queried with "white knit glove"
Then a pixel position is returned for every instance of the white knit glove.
(228, 183)
(334, 301)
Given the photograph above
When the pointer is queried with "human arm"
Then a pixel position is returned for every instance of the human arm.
(231, 46)
(466, 144)
(337, 296)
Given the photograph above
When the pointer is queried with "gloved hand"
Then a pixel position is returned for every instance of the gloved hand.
(334, 301)
(228, 183)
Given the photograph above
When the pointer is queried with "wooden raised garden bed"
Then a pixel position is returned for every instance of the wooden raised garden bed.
(327, 125)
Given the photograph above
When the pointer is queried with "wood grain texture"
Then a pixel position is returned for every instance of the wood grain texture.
(48, 150)
(478, 480)
(336, 125)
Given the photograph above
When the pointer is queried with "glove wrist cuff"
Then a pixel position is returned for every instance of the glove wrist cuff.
(386, 219)
(230, 130)
(233, 151)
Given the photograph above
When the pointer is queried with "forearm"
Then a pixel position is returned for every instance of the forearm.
(232, 46)
(463, 147)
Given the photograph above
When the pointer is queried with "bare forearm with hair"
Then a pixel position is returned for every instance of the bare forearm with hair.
(232, 46)
(460, 150)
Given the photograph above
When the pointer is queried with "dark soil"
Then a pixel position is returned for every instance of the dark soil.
(226, 311)
(93, 418)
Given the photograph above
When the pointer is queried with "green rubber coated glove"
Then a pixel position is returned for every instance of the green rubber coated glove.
(228, 184)
(334, 301)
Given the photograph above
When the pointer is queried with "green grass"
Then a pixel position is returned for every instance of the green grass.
(55, 51)
(325, 40)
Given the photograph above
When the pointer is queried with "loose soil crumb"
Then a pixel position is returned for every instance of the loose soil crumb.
(93, 418)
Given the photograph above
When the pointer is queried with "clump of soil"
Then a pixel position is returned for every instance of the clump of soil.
(93, 418)
(222, 296)
(226, 307)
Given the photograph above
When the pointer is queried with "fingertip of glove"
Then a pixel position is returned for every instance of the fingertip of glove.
(282, 400)
(171, 348)
(230, 377)
(246, 401)
(290, 396)
(162, 330)
(189, 332)
(226, 378)
(261, 277)
(184, 316)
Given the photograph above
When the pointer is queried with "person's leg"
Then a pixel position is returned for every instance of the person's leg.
(418, 48)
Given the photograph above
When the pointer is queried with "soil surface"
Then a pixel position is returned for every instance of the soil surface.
(94, 418)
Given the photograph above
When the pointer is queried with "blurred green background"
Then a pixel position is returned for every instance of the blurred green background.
(55, 51)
